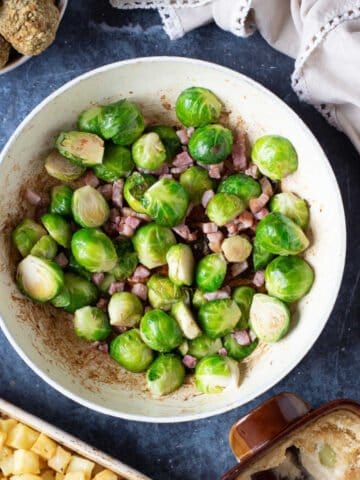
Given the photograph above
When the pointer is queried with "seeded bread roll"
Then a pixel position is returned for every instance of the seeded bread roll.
(29, 25)
(4, 51)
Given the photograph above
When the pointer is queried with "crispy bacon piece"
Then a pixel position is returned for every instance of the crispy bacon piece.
(215, 240)
(209, 227)
(117, 193)
(223, 352)
(89, 178)
(217, 295)
(106, 190)
(238, 268)
(238, 153)
(252, 171)
(102, 303)
(116, 287)
(266, 187)
(140, 290)
(140, 274)
(189, 361)
(62, 260)
(256, 204)
(261, 213)
(32, 197)
(133, 222)
(183, 159)
(242, 337)
(259, 278)
(97, 278)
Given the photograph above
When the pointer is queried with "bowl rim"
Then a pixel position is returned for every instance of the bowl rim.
(62, 4)
(335, 284)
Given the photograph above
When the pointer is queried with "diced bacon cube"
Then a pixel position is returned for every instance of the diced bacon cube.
(117, 193)
(116, 287)
(209, 227)
(266, 187)
(256, 204)
(207, 196)
(242, 337)
(189, 361)
(140, 290)
(261, 213)
(259, 278)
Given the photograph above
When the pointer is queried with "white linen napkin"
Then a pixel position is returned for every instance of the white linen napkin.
(322, 35)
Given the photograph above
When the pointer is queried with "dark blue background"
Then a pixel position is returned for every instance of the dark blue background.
(93, 34)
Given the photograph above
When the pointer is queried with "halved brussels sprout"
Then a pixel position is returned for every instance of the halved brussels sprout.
(215, 373)
(236, 248)
(117, 163)
(151, 243)
(45, 247)
(219, 317)
(88, 120)
(237, 351)
(122, 121)
(75, 267)
(197, 106)
(131, 352)
(166, 202)
(26, 234)
(160, 331)
(60, 203)
(93, 250)
(61, 168)
(169, 139)
(58, 228)
(275, 156)
(125, 309)
(134, 189)
(198, 299)
(181, 264)
(202, 346)
(91, 324)
(148, 151)
(89, 207)
(185, 319)
(277, 234)
(269, 318)
(127, 259)
(163, 293)
(241, 185)
(196, 182)
(243, 297)
(211, 144)
(288, 278)
(210, 272)
(165, 374)
(261, 257)
(224, 207)
(84, 149)
(292, 206)
(78, 291)
(39, 279)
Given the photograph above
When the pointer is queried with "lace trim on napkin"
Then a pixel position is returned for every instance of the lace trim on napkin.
(298, 79)
(242, 24)
(130, 4)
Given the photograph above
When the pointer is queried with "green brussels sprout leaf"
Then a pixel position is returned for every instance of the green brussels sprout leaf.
(58, 228)
(60, 203)
(45, 247)
(26, 234)
(117, 163)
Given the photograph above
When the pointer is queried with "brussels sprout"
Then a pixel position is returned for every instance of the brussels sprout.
(59, 229)
(274, 156)
(91, 324)
(61, 196)
(134, 189)
(219, 317)
(168, 138)
(243, 297)
(214, 373)
(125, 309)
(160, 331)
(224, 207)
(202, 346)
(165, 374)
(163, 293)
(75, 267)
(184, 348)
(277, 234)
(84, 149)
(93, 250)
(88, 120)
(197, 106)
(122, 122)
(210, 272)
(45, 247)
(236, 248)
(292, 206)
(211, 144)
(78, 291)
(26, 234)
(288, 278)
(89, 207)
(181, 264)
(61, 168)
(149, 152)
(196, 182)
(127, 259)
(241, 185)
(261, 257)
(237, 351)
(151, 243)
(269, 318)
(198, 299)
(106, 282)
(117, 163)
(166, 202)
(39, 279)
(185, 319)
(131, 352)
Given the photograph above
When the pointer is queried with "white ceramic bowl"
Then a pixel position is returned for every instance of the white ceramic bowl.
(45, 341)
(16, 59)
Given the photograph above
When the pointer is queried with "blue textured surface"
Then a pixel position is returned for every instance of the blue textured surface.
(93, 34)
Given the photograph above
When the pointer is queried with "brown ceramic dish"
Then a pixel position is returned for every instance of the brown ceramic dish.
(262, 440)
